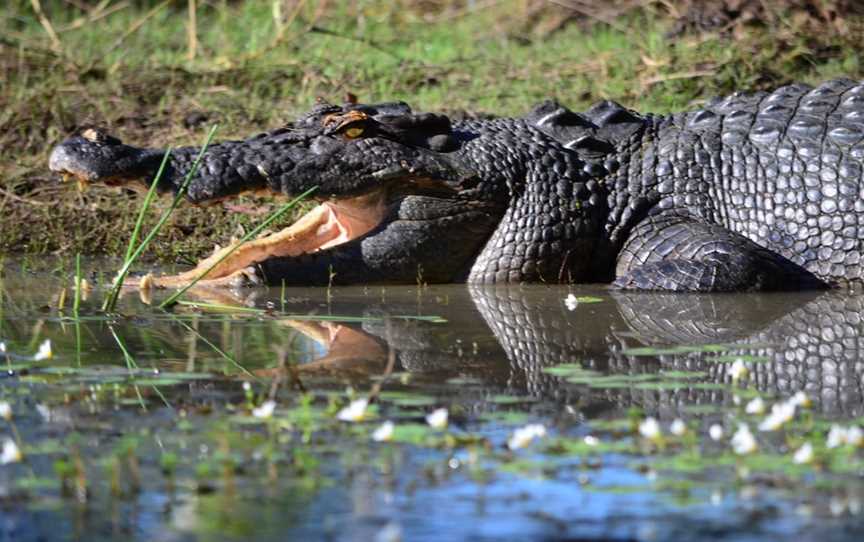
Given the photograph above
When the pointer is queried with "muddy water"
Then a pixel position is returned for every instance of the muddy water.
(143, 423)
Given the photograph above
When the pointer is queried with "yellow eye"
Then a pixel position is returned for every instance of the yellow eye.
(353, 132)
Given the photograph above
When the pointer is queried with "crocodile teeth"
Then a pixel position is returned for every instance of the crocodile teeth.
(389, 173)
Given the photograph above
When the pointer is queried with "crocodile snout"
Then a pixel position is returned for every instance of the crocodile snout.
(91, 155)
(66, 162)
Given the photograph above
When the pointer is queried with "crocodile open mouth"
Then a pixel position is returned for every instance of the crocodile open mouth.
(329, 224)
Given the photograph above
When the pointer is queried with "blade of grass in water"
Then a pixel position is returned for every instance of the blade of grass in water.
(111, 300)
(246, 238)
(220, 307)
(218, 350)
(75, 305)
(132, 364)
(77, 301)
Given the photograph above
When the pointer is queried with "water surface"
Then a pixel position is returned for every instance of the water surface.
(161, 443)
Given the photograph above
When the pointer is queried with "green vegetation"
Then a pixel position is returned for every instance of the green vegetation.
(132, 251)
(155, 75)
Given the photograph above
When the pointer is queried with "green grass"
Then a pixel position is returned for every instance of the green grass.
(132, 251)
(131, 72)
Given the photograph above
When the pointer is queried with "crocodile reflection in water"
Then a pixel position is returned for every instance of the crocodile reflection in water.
(813, 343)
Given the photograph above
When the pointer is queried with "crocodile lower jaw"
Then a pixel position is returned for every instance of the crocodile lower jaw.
(329, 224)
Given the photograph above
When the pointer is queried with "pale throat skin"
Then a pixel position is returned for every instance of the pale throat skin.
(759, 191)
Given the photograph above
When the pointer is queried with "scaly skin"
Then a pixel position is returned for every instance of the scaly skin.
(753, 192)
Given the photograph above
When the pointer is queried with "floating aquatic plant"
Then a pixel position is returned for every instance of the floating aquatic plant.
(265, 411)
(10, 453)
(354, 412)
(743, 442)
(44, 352)
(384, 432)
(438, 419)
(524, 436)
(650, 429)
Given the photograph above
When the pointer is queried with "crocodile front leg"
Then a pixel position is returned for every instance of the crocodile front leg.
(684, 254)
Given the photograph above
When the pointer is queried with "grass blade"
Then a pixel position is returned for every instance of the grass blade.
(77, 301)
(130, 364)
(218, 350)
(246, 238)
(111, 300)
(148, 199)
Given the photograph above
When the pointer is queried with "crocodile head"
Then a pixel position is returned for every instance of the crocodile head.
(341, 149)
(392, 183)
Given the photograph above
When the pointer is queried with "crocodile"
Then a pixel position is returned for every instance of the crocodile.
(753, 191)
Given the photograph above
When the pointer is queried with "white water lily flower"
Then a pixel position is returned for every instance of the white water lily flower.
(804, 455)
(854, 436)
(591, 440)
(392, 532)
(525, 435)
(571, 302)
(10, 452)
(837, 506)
(716, 498)
(44, 351)
(438, 418)
(44, 411)
(2, 347)
(743, 441)
(715, 431)
(650, 429)
(384, 433)
(771, 423)
(354, 412)
(5, 410)
(854, 506)
(265, 411)
(801, 399)
(738, 371)
(781, 413)
(678, 427)
(837, 436)
(756, 406)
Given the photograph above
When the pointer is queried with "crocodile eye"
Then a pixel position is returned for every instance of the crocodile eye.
(353, 132)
